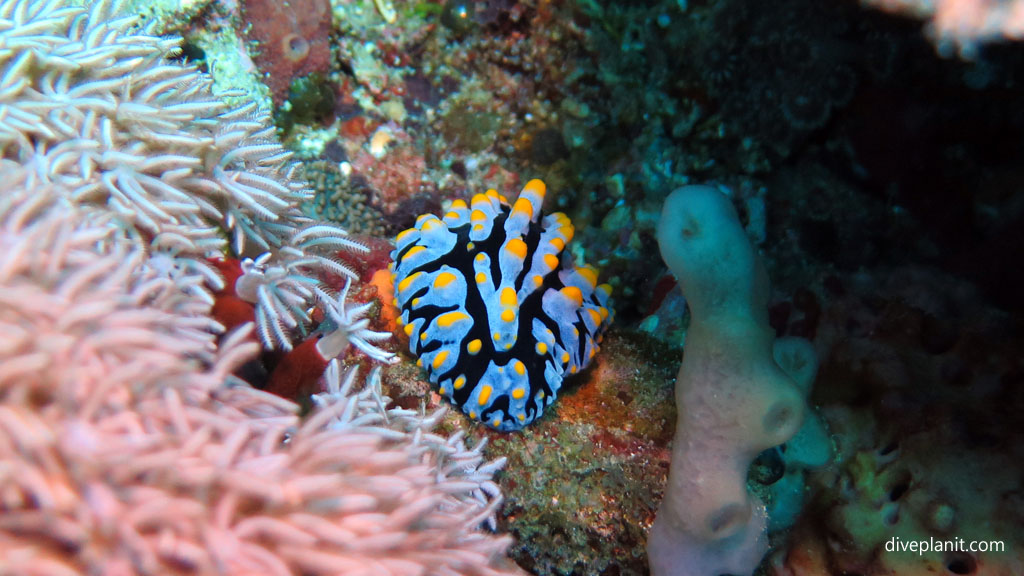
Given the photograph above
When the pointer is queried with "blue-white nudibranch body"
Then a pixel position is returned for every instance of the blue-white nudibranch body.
(495, 315)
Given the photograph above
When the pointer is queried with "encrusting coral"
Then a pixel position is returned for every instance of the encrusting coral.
(126, 444)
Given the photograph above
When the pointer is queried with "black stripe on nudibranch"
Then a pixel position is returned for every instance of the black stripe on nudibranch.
(494, 316)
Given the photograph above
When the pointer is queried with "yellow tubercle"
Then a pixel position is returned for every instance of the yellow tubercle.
(444, 279)
(478, 201)
(551, 261)
(404, 234)
(517, 248)
(589, 274)
(439, 359)
(523, 206)
(412, 252)
(508, 297)
(448, 319)
(573, 293)
(404, 284)
(536, 186)
(485, 395)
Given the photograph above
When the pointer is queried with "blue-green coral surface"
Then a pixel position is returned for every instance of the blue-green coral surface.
(494, 312)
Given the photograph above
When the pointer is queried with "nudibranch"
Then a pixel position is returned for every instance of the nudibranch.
(493, 306)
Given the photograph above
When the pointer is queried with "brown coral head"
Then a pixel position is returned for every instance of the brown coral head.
(294, 47)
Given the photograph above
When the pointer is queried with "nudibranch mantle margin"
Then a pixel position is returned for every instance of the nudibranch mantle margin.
(493, 306)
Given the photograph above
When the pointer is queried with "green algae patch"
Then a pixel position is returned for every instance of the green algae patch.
(582, 484)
